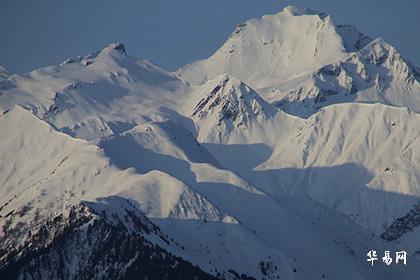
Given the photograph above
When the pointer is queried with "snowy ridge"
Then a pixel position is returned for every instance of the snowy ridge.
(61, 157)
(91, 96)
(377, 73)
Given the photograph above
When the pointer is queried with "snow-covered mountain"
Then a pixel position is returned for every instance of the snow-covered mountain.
(280, 47)
(95, 95)
(184, 195)
(226, 105)
(290, 153)
(300, 60)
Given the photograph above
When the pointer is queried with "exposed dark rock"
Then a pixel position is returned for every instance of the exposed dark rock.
(403, 225)
(88, 246)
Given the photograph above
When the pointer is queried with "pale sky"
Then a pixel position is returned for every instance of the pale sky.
(36, 33)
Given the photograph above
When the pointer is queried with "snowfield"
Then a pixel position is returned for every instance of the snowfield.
(288, 154)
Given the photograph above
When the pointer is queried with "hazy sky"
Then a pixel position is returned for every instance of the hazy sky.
(36, 33)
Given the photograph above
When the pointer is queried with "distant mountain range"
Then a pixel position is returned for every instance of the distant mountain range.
(288, 154)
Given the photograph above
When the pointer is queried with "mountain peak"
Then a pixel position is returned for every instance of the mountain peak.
(381, 42)
(111, 50)
(299, 11)
(377, 49)
(381, 53)
(230, 103)
(17, 116)
(115, 46)
(15, 109)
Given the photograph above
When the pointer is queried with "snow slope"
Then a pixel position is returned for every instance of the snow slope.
(64, 171)
(375, 74)
(177, 153)
(74, 170)
(374, 147)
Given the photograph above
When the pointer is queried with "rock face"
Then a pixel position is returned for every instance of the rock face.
(403, 225)
(231, 104)
(87, 245)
